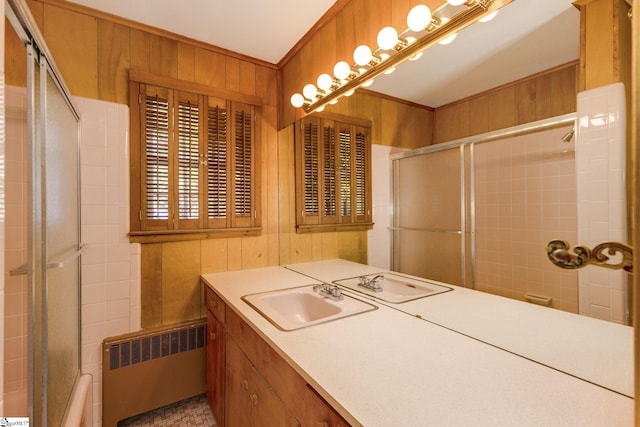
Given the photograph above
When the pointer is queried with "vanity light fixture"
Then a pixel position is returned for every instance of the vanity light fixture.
(342, 71)
(363, 56)
(297, 100)
(425, 28)
(419, 18)
(388, 39)
(310, 91)
(325, 82)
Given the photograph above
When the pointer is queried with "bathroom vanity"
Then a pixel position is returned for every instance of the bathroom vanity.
(393, 364)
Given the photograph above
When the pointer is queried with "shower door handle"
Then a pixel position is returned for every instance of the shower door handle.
(22, 269)
(75, 254)
(558, 254)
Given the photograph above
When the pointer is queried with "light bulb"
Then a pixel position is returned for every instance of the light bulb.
(367, 83)
(309, 91)
(456, 2)
(349, 93)
(342, 70)
(362, 55)
(320, 109)
(297, 100)
(489, 16)
(448, 39)
(416, 56)
(387, 38)
(419, 18)
(390, 70)
(325, 81)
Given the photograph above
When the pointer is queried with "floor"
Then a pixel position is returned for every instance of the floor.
(193, 412)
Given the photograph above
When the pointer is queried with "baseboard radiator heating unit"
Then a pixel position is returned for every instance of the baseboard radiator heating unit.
(155, 367)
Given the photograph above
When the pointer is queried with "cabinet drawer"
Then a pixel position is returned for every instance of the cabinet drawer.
(214, 303)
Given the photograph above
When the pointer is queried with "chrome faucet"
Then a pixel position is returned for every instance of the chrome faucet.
(372, 283)
(332, 292)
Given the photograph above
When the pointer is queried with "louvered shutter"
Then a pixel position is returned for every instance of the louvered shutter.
(194, 162)
(217, 170)
(345, 172)
(187, 116)
(333, 174)
(156, 130)
(307, 172)
(329, 176)
(243, 165)
(362, 191)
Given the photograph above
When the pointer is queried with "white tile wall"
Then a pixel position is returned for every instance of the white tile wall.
(379, 238)
(600, 165)
(14, 305)
(110, 264)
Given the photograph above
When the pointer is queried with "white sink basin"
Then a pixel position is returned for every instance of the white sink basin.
(395, 288)
(296, 308)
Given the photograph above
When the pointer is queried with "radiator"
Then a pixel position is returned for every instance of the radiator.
(152, 368)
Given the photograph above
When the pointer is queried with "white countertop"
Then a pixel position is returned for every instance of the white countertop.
(387, 368)
(595, 350)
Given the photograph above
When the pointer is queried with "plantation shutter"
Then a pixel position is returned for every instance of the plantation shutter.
(194, 163)
(329, 173)
(187, 115)
(345, 172)
(310, 175)
(156, 128)
(362, 193)
(243, 166)
(333, 184)
(217, 164)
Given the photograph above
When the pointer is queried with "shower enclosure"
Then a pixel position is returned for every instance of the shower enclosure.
(478, 212)
(53, 231)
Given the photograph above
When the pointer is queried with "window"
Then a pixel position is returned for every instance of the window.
(194, 165)
(333, 190)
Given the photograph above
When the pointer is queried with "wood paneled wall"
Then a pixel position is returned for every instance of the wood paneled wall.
(95, 52)
(547, 94)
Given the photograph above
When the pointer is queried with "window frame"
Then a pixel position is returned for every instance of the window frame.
(146, 230)
(312, 179)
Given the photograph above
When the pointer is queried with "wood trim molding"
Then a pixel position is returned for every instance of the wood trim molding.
(394, 99)
(156, 80)
(323, 228)
(358, 121)
(184, 235)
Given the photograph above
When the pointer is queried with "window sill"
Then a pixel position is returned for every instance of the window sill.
(323, 228)
(182, 235)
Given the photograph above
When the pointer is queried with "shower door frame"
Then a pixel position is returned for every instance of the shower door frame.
(41, 66)
(461, 144)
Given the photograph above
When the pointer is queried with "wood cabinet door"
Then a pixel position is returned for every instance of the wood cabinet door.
(238, 406)
(215, 369)
(250, 400)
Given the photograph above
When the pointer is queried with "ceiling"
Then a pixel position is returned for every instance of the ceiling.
(526, 37)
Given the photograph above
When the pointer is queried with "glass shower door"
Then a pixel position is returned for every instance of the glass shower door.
(427, 222)
(53, 255)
